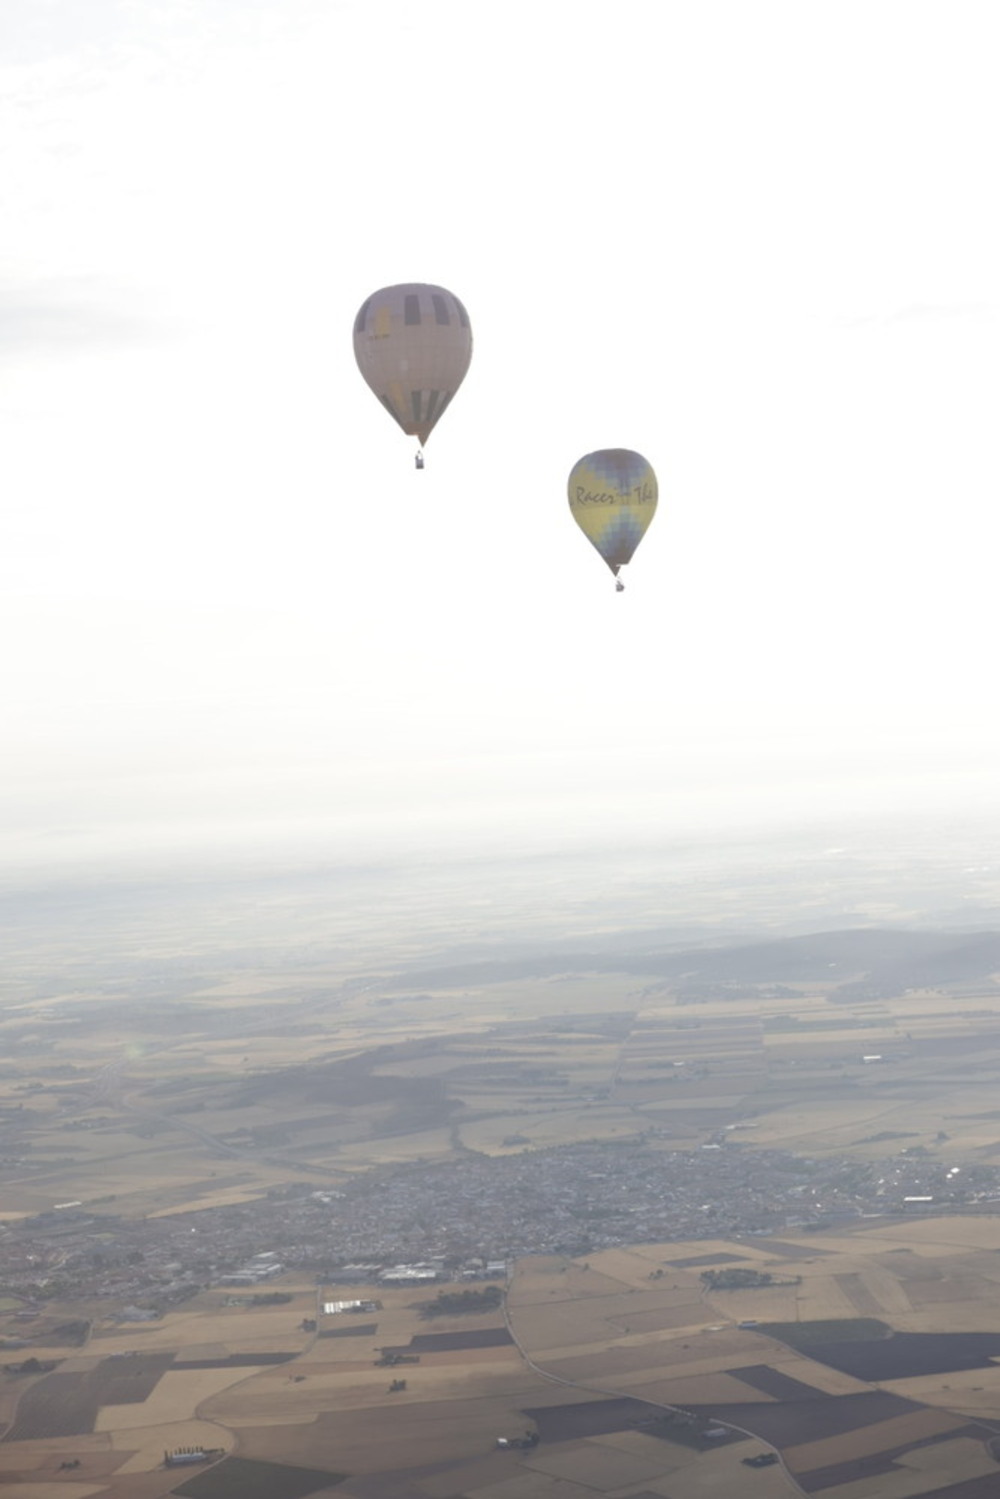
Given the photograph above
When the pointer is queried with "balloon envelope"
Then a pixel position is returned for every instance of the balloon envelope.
(612, 494)
(413, 344)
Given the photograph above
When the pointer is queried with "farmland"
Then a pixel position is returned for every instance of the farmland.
(201, 1149)
(628, 1370)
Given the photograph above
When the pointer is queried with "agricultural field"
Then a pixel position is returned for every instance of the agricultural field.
(329, 1406)
(237, 1084)
(877, 1411)
(149, 1090)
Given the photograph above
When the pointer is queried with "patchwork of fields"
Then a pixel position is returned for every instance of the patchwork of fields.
(864, 1354)
(625, 1374)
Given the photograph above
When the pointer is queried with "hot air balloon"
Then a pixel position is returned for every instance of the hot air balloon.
(612, 494)
(413, 344)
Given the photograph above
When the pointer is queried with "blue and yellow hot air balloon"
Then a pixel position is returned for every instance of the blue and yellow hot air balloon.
(612, 494)
(413, 344)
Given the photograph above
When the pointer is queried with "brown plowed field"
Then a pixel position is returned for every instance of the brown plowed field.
(795, 1422)
(906, 1354)
(66, 1405)
(859, 1294)
(709, 1389)
(849, 1471)
(904, 1265)
(453, 1431)
(248, 1478)
(772, 1382)
(706, 1259)
(448, 1342)
(491, 1468)
(898, 1434)
(231, 1361)
(985, 1487)
(568, 1423)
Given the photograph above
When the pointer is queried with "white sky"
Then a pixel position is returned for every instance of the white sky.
(756, 242)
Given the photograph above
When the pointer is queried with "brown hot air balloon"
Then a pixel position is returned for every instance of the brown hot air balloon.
(413, 344)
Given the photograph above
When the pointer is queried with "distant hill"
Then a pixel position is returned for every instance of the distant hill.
(885, 961)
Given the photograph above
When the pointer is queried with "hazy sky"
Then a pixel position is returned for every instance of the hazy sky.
(756, 242)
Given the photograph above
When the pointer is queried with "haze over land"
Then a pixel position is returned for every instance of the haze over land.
(442, 1000)
(233, 1095)
(374, 894)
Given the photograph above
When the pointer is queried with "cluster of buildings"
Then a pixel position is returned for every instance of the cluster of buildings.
(186, 1457)
(261, 1267)
(466, 1219)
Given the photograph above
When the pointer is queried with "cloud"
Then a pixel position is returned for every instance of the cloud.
(60, 317)
(923, 312)
(930, 312)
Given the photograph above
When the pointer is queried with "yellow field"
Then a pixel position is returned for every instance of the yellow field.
(867, 1441)
(669, 1455)
(772, 1304)
(43, 1457)
(266, 1329)
(530, 1484)
(176, 1398)
(944, 1462)
(635, 1265)
(976, 1391)
(595, 1465)
(721, 1473)
(951, 1235)
(421, 1434)
(146, 1445)
(57, 1489)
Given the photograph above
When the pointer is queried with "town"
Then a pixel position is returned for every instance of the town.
(466, 1219)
